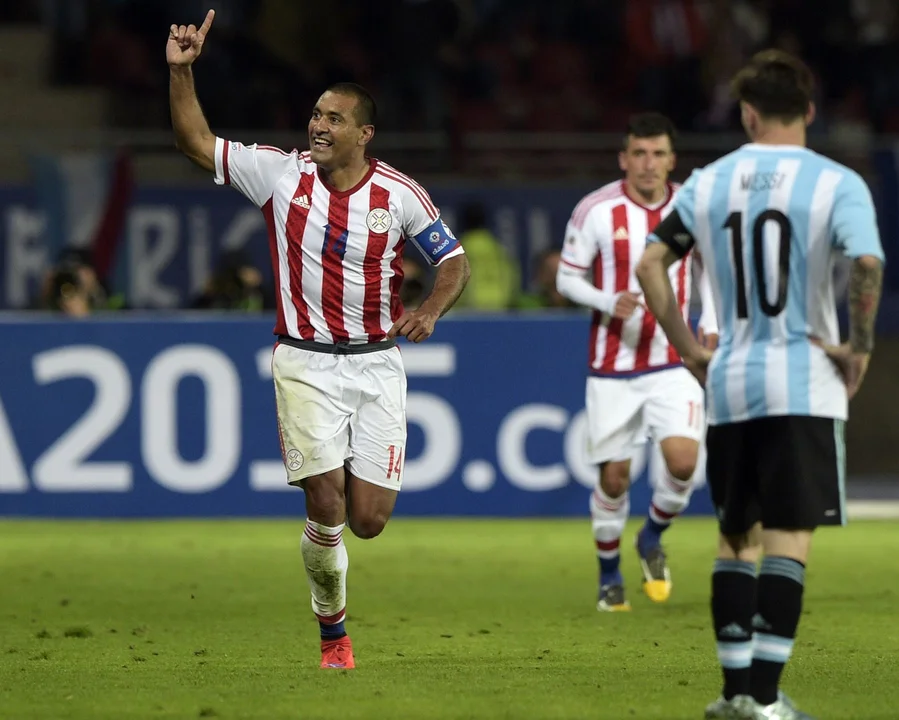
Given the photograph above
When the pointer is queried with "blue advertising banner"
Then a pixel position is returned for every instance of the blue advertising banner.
(175, 416)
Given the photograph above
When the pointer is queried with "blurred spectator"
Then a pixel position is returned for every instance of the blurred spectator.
(66, 293)
(415, 83)
(667, 39)
(73, 286)
(236, 285)
(477, 65)
(878, 55)
(68, 19)
(546, 296)
(738, 29)
(495, 277)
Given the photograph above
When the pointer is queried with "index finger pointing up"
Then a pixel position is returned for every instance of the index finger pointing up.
(207, 23)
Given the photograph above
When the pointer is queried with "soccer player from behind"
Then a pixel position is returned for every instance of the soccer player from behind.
(337, 223)
(636, 384)
(770, 220)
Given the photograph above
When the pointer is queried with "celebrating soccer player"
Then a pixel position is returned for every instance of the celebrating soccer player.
(337, 222)
(637, 385)
(769, 219)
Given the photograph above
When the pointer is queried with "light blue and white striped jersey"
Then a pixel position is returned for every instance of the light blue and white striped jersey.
(769, 221)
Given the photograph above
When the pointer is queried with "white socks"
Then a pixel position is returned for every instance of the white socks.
(609, 517)
(325, 557)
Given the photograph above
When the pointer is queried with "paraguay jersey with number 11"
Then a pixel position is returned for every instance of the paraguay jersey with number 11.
(769, 222)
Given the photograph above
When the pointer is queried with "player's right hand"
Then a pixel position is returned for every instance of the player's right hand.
(852, 365)
(625, 304)
(186, 42)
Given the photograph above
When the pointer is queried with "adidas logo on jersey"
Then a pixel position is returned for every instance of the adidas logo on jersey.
(621, 233)
(302, 201)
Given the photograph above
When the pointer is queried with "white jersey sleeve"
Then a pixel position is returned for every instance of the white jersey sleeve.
(580, 247)
(419, 210)
(573, 279)
(254, 170)
(423, 225)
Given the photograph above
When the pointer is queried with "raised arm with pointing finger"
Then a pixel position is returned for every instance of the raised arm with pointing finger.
(192, 134)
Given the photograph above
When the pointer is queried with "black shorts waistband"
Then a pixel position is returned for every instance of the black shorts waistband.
(341, 348)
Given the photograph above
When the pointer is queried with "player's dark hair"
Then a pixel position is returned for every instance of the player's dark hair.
(777, 84)
(650, 124)
(366, 110)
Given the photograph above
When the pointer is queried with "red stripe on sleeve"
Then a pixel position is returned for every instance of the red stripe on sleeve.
(574, 265)
(372, 268)
(272, 148)
(226, 173)
(423, 195)
(416, 189)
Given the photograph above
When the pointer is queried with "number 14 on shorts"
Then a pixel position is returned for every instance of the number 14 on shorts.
(394, 462)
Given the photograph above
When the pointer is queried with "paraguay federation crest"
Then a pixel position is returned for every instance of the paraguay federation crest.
(294, 459)
(379, 220)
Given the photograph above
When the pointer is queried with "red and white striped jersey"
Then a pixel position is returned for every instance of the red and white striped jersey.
(336, 256)
(607, 235)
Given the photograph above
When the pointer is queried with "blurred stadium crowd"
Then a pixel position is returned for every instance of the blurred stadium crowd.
(457, 67)
(465, 65)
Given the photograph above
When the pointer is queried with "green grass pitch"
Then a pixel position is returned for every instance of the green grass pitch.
(449, 619)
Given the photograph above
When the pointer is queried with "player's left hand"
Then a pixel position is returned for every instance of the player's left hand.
(853, 366)
(415, 326)
(709, 341)
(698, 363)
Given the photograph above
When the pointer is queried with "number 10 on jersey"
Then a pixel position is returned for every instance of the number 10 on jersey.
(734, 223)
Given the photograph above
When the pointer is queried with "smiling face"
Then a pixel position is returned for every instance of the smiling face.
(336, 138)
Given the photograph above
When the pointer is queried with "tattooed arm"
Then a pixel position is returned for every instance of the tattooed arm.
(852, 358)
(855, 235)
(865, 284)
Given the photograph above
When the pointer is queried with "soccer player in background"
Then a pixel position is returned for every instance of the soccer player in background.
(337, 223)
(637, 385)
(770, 219)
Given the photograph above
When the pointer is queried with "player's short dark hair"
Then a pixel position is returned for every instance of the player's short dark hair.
(649, 124)
(779, 85)
(366, 109)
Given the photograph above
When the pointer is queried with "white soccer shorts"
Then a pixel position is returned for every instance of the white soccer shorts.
(622, 413)
(337, 409)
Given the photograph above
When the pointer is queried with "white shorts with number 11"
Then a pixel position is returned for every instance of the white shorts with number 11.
(622, 413)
